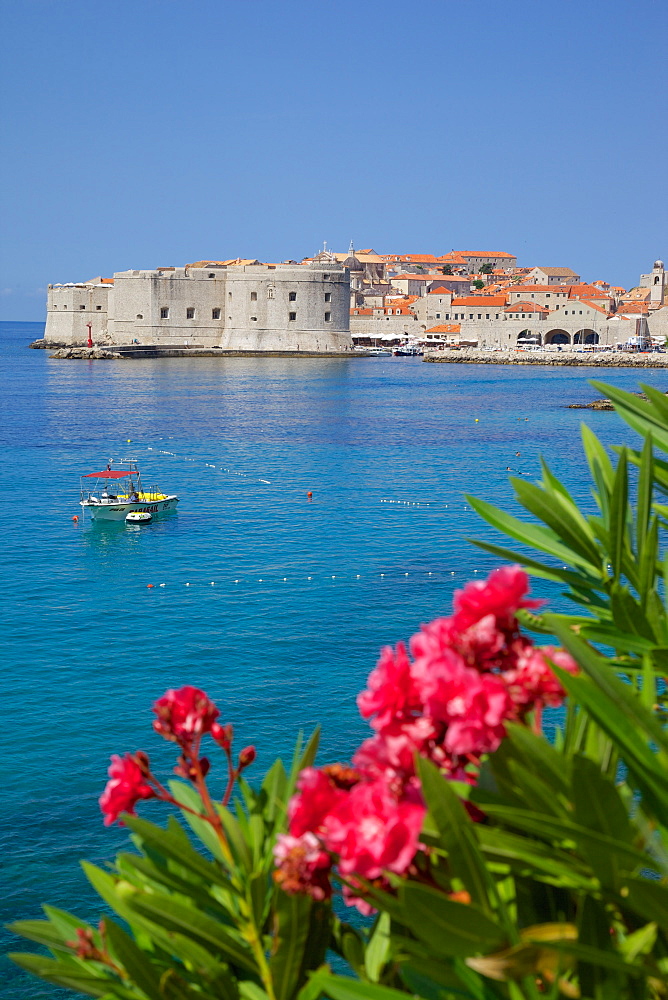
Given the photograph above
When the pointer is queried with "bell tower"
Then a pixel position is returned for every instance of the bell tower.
(657, 283)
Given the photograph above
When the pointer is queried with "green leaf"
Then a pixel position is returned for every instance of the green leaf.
(543, 539)
(43, 932)
(175, 845)
(343, 988)
(456, 834)
(378, 948)
(177, 916)
(136, 962)
(450, 929)
(54, 971)
(292, 913)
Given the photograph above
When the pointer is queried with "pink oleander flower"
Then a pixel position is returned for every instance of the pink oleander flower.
(127, 786)
(473, 706)
(372, 832)
(533, 683)
(317, 795)
(500, 595)
(391, 694)
(302, 866)
(184, 715)
(390, 755)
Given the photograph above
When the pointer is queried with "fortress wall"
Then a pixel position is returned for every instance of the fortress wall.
(251, 308)
(141, 297)
(287, 307)
(71, 307)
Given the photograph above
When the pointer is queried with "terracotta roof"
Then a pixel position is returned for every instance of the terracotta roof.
(412, 258)
(586, 291)
(485, 253)
(361, 312)
(446, 328)
(554, 272)
(106, 281)
(480, 300)
(418, 277)
(439, 291)
(638, 307)
(525, 307)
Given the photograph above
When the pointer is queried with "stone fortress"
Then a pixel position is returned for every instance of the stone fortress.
(232, 305)
(333, 302)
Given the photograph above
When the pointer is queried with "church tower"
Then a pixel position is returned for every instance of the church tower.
(657, 283)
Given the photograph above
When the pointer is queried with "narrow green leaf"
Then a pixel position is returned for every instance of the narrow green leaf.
(343, 988)
(644, 499)
(456, 834)
(450, 929)
(177, 916)
(66, 976)
(291, 926)
(378, 949)
(543, 539)
(136, 962)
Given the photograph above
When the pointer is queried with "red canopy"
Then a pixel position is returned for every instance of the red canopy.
(116, 474)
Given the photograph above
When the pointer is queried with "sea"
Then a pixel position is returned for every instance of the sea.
(322, 515)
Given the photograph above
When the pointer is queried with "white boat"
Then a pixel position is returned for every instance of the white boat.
(121, 493)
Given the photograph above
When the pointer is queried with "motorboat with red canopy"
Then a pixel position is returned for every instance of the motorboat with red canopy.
(118, 492)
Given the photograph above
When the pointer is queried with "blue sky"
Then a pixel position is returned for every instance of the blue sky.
(153, 132)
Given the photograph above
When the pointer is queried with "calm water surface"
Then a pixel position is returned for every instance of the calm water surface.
(289, 599)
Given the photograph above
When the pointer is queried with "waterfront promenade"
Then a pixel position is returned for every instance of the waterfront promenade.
(585, 359)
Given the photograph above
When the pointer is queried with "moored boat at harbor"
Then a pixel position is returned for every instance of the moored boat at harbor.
(120, 493)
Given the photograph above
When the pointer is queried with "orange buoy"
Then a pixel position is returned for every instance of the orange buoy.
(149, 586)
(75, 518)
(309, 494)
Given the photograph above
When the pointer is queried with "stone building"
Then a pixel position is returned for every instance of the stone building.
(234, 306)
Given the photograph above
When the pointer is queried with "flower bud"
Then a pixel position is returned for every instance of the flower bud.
(223, 735)
(246, 757)
(141, 760)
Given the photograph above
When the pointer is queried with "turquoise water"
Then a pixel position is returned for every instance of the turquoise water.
(289, 600)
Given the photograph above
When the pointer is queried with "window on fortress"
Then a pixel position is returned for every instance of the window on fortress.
(98, 308)
(470, 315)
(254, 319)
(328, 317)
(447, 315)
(139, 315)
(82, 307)
(64, 307)
(215, 314)
(479, 315)
(270, 293)
(486, 315)
(328, 296)
(229, 295)
(212, 275)
(190, 313)
(292, 316)
(438, 315)
(253, 296)
(292, 297)
(164, 313)
(325, 277)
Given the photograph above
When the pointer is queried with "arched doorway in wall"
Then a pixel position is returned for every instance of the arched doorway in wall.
(557, 337)
(585, 337)
(526, 338)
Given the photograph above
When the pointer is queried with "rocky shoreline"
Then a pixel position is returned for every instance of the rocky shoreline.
(599, 359)
(132, 353)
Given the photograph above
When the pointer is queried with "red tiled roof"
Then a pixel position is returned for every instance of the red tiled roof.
(525, 307)
(480, 300)
(446, 328)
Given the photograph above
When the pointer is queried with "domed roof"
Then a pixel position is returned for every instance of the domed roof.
(353, 264)
(658, 264)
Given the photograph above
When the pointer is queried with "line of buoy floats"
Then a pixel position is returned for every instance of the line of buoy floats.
(344, 577)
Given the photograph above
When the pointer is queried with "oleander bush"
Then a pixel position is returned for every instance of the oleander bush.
(460, 853)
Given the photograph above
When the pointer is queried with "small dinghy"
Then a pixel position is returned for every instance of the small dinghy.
(138, 517)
